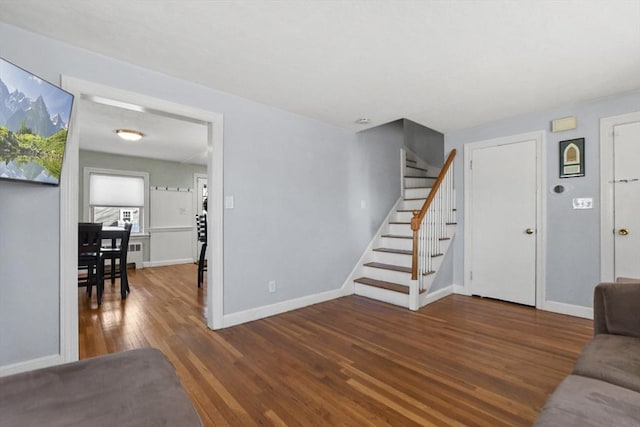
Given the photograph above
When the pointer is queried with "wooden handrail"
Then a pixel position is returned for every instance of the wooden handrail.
(418, 215)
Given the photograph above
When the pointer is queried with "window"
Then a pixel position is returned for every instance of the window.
(116, 197)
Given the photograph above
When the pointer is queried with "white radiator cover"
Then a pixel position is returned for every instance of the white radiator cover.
(134, 254)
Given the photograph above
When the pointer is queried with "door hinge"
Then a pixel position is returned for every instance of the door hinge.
(470, 164)
(471, 275)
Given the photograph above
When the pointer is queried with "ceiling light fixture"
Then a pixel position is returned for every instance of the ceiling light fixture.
(363, 121)
(129, 135)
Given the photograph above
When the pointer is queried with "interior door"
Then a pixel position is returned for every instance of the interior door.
(503, 220)
(626, 149)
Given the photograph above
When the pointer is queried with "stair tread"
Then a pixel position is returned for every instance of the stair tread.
(397, 236)
(416, 188)
(412, 161)
(384, 285)
(400, 222)
(394, 251)
(418, 198)
(392, 267)
(425, 177)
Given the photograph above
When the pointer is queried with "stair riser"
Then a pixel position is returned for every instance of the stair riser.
(400, 229)
(388, 275)
(402, 217)
(385, 295)
(414, 193)
(389, 242)
(411, 204)
(412, 171)
(391, 258)
(418, 182)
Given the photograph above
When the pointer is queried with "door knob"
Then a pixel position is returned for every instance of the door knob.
(529, 231)
(623, 232)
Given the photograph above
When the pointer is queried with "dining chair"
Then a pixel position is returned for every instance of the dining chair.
(201, 222)
(90, 258)
(118, 260)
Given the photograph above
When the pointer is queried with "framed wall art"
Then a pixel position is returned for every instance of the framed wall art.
(572, 158)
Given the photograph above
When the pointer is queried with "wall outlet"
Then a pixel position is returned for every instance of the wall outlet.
(272, 285)
(363, 204)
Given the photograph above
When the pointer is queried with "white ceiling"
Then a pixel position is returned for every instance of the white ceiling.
(165, 138)
(445, 64)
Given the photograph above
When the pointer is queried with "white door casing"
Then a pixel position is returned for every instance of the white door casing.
(69, 206)
(620, 196)
(504, 182)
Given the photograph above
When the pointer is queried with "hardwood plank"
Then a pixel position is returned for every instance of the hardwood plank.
(351, 361)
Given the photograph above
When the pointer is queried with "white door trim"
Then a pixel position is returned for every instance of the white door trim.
(69, 205)
(539, 137)
(607, 125)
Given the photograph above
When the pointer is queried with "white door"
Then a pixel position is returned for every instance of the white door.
(503, 209)
(626, 152)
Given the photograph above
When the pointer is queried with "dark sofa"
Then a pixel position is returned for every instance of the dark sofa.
(134, 388)
(604, 387)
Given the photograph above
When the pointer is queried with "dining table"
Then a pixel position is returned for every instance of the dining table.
(115, 233)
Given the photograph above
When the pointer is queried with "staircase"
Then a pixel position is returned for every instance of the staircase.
(388, 272)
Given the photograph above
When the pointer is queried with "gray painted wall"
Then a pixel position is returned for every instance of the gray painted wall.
(297, 185)
(426, 143)
(573, 236)
(29, 271)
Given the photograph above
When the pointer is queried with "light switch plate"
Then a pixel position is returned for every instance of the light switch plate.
(583, 203)
(228, 202)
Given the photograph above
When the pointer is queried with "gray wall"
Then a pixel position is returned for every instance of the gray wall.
(426, 143)
(573, 236)
(297, 185)
(29, 271)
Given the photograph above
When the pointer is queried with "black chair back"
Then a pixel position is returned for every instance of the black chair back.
(89, 238)
(201, 222)
(90, 257)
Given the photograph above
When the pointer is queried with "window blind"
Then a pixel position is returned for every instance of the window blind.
(116, 190)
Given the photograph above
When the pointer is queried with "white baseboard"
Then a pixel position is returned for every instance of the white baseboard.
(250, 315)
(460, 290)
(147, 264)
(30, 365)
(436, 295)
(569, 309)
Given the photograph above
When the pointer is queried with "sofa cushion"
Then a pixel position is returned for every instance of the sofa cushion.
(134, 388)
(612, 358)
(585, 402)
(621, 308)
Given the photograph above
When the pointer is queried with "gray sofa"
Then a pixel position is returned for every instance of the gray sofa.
(134, 388)
(604, 387)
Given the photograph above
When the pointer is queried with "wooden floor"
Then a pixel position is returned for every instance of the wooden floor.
(351, 361)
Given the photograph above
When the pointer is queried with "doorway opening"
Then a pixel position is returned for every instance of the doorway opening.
(69, 199)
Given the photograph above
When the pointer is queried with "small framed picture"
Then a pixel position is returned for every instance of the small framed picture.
(572, 158)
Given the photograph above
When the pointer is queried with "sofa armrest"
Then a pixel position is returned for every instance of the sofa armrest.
(616, 308)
